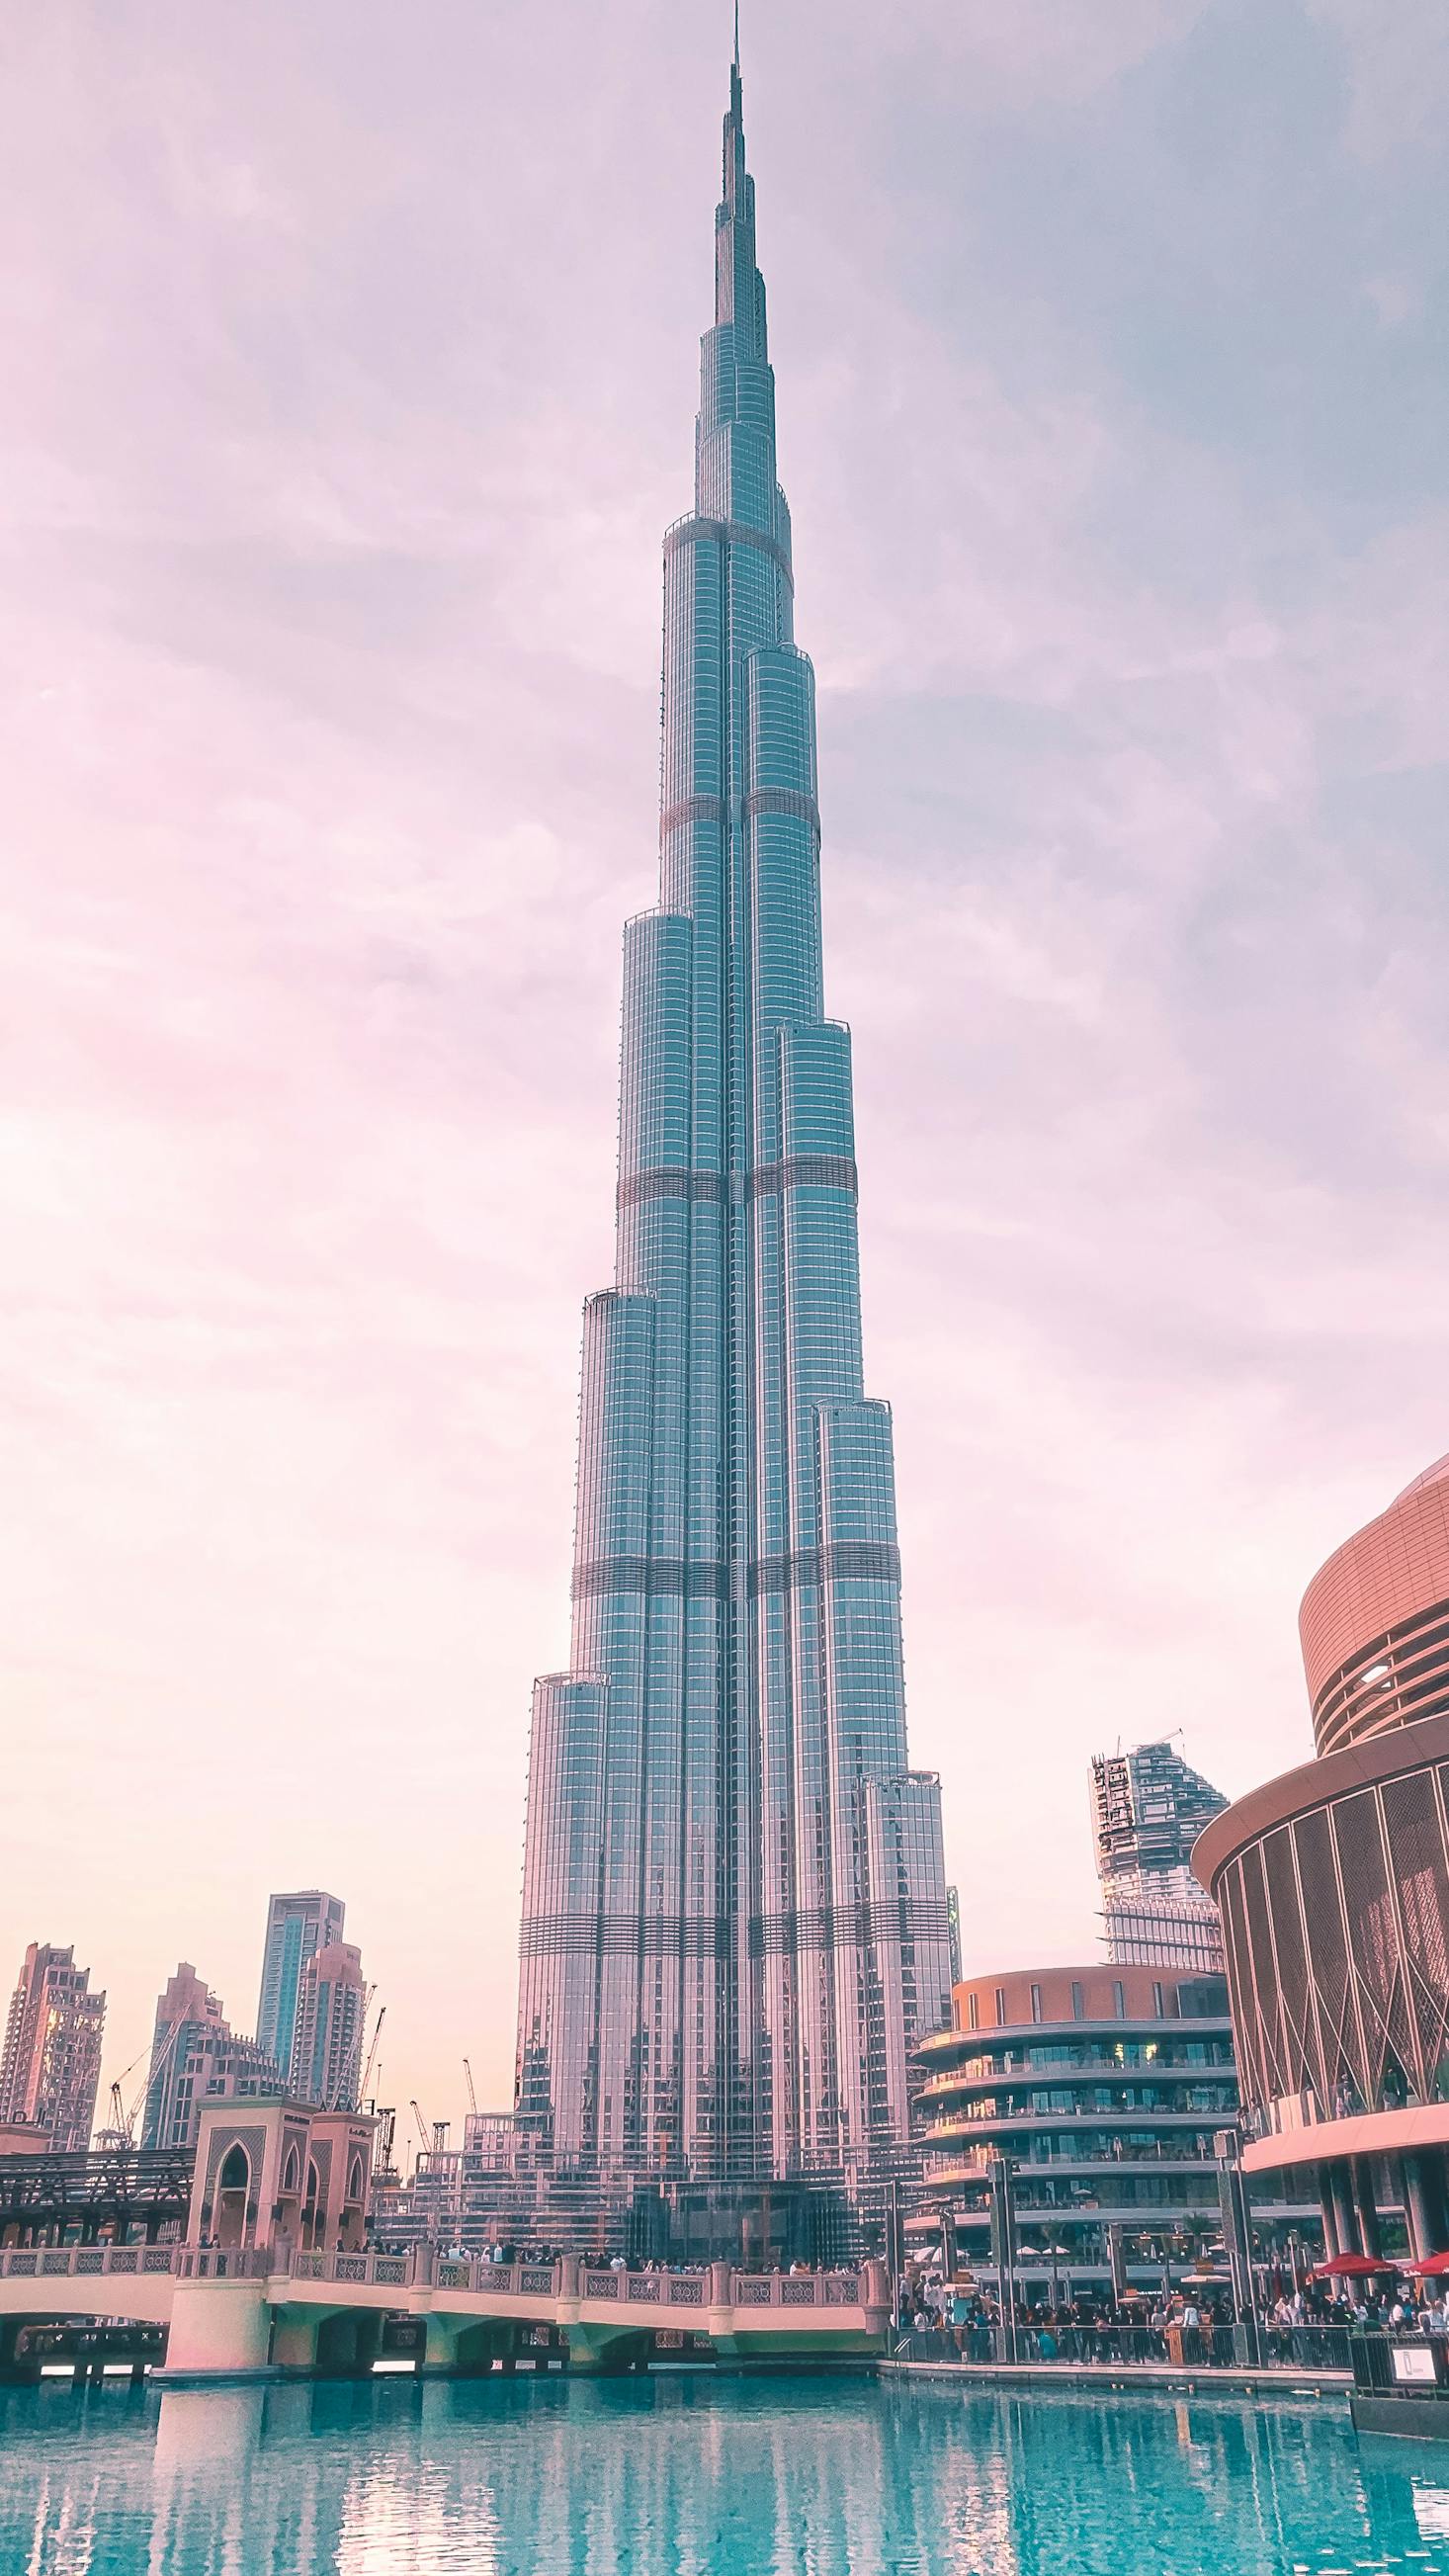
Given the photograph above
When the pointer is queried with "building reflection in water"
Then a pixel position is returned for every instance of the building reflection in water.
(698, 2477)
(673, 2477)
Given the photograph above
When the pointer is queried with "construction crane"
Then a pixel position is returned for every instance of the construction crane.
(472, 2096)
(420, 2125)
(362, 2089)
(123, 2120)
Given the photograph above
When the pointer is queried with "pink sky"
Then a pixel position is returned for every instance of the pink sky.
(350, 387)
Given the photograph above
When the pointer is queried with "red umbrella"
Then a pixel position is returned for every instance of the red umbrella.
(1350, 2267)
(1432, 2264)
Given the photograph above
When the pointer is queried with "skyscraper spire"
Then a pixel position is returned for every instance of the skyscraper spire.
(734, 1925)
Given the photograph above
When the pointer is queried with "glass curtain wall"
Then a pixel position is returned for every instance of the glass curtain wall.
(735, 1923)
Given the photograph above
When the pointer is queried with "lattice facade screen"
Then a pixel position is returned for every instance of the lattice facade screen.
(1336, 1925)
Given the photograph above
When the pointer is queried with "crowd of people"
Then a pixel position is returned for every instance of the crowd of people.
(943, 2320)
(505, 2251)
(968, 2323)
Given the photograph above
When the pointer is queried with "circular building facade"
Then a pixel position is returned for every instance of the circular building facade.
(1375, 1620)
(1333, 1887)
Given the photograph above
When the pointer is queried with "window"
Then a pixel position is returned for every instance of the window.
(1001, 2007)
(1119, 1999)
(1157, 2003)
(973, 2010)
(1036, 2003)
(1077, 2004)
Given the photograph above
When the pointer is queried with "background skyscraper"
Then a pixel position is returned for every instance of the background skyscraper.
(327, 2046)
(1148, 1808)
(187, 2014)
(297, 1925)
(51, 2063)
(194, 2054)
(734, 1919)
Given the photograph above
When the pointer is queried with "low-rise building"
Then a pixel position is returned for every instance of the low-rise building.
(1104, 2087)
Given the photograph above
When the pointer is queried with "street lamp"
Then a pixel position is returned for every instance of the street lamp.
(1003, 2247)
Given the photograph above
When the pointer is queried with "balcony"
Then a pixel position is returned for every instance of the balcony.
(971, 2126)
(1011, 2070)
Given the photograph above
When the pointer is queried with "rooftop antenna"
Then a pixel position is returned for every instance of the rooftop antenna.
(737, 34)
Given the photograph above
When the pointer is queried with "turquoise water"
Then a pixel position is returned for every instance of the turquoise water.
(700, 2477)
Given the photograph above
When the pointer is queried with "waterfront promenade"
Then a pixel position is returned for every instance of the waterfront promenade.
(258, 2313)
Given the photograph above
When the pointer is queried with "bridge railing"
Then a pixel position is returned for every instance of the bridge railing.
(795, 2289)
(476, 2272)
(72, 2262)
(423, 2266)
(645, 2289)
(224, 2262)
(736, 2289)
(365, 2269)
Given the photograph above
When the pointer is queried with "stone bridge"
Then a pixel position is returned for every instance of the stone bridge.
(258, 2312)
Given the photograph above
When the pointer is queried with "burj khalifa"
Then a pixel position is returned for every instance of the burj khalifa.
(734, 1913)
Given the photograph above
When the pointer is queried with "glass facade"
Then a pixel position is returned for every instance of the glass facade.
(735, 1925)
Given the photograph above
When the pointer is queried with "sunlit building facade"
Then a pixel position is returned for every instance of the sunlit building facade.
(298, 1925)
(735, 1925)
(189, 2018)
(50, 2064)
(327, 2044)
(197, 2057)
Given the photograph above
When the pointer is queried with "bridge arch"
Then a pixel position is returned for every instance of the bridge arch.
(348, 2339)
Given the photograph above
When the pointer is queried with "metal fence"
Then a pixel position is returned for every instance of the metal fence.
(1132, 2347)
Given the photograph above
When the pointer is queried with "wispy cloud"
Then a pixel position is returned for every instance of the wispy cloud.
(349, 389)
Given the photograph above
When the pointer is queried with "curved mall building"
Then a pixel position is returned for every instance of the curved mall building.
(1104, 2087)
(1333, 1885)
